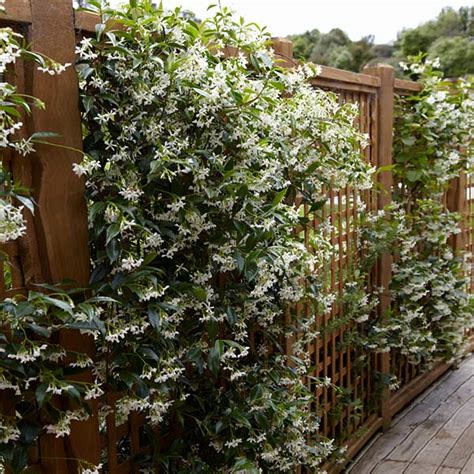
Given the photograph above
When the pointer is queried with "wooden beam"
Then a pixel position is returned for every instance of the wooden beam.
(61, 215)
(407, 87)
(283, 48)
(385, 73)
(85, 21)
(335, 85)
(348, 77)
(456, 202)
(17, 11)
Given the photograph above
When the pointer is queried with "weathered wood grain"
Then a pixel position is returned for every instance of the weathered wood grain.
(61, 214)
(447, 470)
(18, 11)
(403, 86)
(444, 440)
(390, 467)
(463, 449)
(423, 433)
(469, 467)
(446, 405)
(385, 74)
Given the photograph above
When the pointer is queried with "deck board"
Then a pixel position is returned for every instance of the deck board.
(435, 434)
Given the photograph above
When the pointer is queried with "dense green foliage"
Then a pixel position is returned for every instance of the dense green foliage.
(449, 37)
(194, 161)
(432, 146)
(336, 49)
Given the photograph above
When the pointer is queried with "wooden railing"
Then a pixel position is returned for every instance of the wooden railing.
(55, 246)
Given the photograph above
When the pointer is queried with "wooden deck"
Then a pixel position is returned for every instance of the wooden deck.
(435, 434)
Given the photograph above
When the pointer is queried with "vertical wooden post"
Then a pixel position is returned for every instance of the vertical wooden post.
(456, 202)
(283, 48)
(61, 215)
(385, 179)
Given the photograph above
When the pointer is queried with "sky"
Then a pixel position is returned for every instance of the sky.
(358, 18)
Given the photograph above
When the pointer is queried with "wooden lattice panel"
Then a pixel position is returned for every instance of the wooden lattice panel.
(345, 409)
(468, 226)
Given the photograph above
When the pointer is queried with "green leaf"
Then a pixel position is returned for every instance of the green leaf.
(231, 315)
(413, 175)
(40, 135)
(42, 396)
(154, 319)
(199, 293)
(239, 260)
(113, 250)
(112, 231)
(408, 141)
(29, 432)
(58, 303)
(256, 393)
(244, 464)
(41, 331)
(279, 197)
(73, 392)
(27, 202)
(214, 358)
(19, 459)
(99, 30)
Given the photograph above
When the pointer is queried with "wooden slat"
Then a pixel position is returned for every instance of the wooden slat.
(284, 49)
(402, 85)
(335, 85)
(405, 395)
(459, 455)
(85, 21)
(334, 74)
(384, 158)
(18, 11)
(61, 215)
(434, 452)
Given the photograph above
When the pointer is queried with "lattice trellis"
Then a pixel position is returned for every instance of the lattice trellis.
(347, 409)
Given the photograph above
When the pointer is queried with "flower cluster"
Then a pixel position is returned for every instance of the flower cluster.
(12, 104)
(198, 145)
(432, 146)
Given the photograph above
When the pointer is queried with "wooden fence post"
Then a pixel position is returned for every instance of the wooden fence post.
(61, 216)
(456, 202)
(385, 144)
(283, 48)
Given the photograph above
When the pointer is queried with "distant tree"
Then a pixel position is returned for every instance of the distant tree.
(362, 52)
(383, 50)
(450, 36)
(456, 55)
(303, 44)
(341, 58)
(467, 20)
(411, 42)
(323, 48)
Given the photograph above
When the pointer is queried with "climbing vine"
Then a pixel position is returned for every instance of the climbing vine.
(195, 161)
(432, 146)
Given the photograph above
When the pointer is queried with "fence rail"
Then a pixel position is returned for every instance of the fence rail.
(55, 246)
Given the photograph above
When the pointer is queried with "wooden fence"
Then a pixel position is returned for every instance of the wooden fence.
(55, 246)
